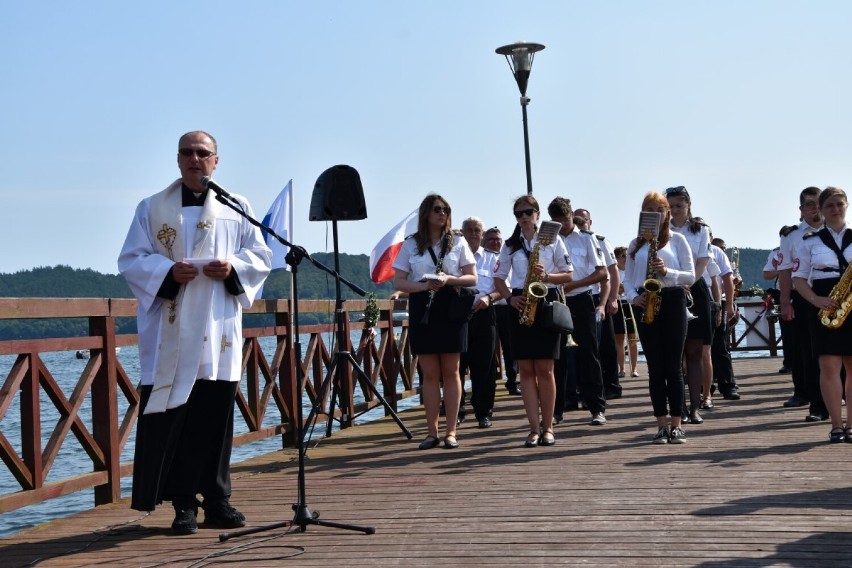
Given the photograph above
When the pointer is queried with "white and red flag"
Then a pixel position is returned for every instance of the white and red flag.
(384, 253)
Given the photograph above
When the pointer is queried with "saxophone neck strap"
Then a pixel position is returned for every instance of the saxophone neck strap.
(828, 240)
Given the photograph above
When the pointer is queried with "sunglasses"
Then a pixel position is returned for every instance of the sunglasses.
(190, 152)
(528, 212)
(679, 190)
(438, 209)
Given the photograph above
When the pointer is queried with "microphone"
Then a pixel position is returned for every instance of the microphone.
(208, 182)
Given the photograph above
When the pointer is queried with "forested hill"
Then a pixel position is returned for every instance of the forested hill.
(66, 282)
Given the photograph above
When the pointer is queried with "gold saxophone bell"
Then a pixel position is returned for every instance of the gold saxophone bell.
(652, 285)
(537, 290)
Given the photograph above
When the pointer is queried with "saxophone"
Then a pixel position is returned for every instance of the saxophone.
(652, 286)
(534, 289)
(842, 294)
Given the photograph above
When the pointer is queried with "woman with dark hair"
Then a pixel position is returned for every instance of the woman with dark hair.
(533, 347)
(824, 257)
(699, 335)
(430, 264)
(662, 338)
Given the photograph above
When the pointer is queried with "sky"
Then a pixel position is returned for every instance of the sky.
(744, 103)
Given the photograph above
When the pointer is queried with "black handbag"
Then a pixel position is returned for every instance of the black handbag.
(556, 316)
(460, 307)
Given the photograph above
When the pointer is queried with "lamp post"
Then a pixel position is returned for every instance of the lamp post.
(520, 57)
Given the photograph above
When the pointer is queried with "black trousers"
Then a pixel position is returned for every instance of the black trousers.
(808, 362)
(723, 368)
(185, 450)
(502, 314)
(480, 361)
(662, 342)
(586, 376)
(608, 353)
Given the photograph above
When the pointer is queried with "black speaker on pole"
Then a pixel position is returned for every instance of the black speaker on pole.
(338, 196)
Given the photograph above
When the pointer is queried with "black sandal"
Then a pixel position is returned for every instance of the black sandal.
(848, 432)
(837, 435)
(532, 440)
(450, 442)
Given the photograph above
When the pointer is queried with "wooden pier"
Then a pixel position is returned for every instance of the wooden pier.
(754, 485)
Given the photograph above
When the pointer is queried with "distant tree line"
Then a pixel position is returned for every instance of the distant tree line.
(65, 282)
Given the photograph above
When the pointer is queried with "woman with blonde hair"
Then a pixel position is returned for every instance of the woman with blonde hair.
(664, 336)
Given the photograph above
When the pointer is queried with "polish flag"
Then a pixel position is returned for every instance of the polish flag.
(384, 253)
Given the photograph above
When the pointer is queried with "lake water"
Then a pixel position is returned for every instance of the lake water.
(71, 460)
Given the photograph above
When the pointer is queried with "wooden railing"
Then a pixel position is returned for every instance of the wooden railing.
(270, 385)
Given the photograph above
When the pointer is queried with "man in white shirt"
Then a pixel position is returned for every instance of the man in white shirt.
(798, 310)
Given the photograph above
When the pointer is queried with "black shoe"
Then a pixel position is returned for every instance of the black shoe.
(485, 422)
(461, 418)
(733, 395)
(221, 515)
(185, 521)
(837, 435)
(612, 395)
(816, 417)
(795, 401)
(450, 443)
(707, 404)
(429, 443)
(558, 418)
(695, 417)
(784, 370)
(712, 389)
(513, 388)
(546, 438)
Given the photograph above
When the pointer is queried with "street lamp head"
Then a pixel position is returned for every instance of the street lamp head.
(520, 56)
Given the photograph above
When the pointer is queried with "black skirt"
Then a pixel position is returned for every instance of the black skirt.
(533, 342)
(439, 335)
(701, 327)
(825, 341)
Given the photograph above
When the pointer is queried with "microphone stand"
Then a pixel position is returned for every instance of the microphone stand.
(303, 515)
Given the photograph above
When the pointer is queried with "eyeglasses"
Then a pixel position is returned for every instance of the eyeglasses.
(438, 209)
(679, 190)
(528, 212)
(201, 154)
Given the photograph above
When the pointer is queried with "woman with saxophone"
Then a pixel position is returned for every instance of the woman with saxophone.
(824, 279)
(429, 265)
(537, 268)
(659, 265)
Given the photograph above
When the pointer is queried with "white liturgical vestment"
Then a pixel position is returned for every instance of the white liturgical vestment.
(198, 335)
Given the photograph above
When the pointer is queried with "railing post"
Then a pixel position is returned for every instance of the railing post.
(390, 363)
(31, 422)
(105, 409)
(345, 386)
(287, 376)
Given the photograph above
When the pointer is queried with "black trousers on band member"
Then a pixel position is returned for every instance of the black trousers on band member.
(723, 368)
(608, 352)
(587, 376)
(809, 363)
(662, 343)
(480, 361)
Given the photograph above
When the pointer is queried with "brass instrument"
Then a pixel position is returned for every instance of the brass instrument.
(651, 285)
(842, 294)
(534, 289)
(735, 269)
(649, 228)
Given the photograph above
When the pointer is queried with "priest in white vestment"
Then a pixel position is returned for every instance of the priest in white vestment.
(193, 265)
